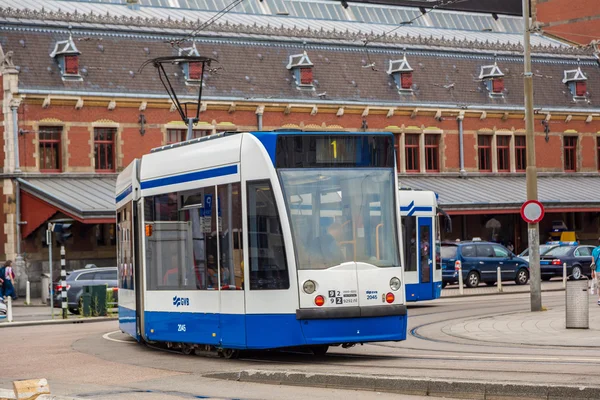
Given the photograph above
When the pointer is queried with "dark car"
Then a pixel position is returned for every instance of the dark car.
(577, 257)
(77, 279)
(480, 261)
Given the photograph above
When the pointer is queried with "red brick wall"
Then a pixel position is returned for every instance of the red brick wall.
(588, 153)
(79, 147)
(135, 145)
(567, 19)
(548, 155)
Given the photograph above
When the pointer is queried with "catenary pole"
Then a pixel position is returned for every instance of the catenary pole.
(531, 171)
(49, 241)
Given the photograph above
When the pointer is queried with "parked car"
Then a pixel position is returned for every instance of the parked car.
(479, 262)
(543, 249)
(77, 279)
(577, 257)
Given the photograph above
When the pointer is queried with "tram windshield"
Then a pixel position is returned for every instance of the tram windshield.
(341, 215)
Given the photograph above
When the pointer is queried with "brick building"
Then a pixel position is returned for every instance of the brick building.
(77, 109)
(576, 21)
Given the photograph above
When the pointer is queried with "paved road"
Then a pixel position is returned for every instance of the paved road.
(103, 363)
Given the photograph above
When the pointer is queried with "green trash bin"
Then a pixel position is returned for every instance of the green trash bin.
(98, 300)
(86, 301)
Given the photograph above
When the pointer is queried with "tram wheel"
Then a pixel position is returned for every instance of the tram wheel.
(319, 350)
(187, 350)
(229, 353)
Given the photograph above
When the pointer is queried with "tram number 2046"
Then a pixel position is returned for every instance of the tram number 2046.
(181, 328)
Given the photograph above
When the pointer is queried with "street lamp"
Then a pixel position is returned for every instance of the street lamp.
(533, 233)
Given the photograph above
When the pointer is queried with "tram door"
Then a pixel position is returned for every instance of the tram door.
(425, 259)
(228, 210)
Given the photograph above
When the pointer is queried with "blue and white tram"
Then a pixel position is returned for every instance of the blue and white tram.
(262, 240)
(421, 244)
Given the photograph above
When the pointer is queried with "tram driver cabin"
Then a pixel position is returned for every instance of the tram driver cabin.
(262, 240)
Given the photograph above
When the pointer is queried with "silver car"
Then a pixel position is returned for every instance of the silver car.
(77, 279)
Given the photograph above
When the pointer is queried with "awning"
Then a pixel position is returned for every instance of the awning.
(506, 194)
(90, 200)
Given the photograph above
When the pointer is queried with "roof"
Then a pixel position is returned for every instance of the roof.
(82, 198)
(109, 66)
(301, 15)
(509, 192)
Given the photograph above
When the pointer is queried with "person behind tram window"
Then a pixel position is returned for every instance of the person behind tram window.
(330, 244)
(211, 272)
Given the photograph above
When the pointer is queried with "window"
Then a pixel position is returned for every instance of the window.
(125, 247)
(105, 276)
(406, 80)
(306, 76)
(409, 233)
(425, 248)
(398, 159)
(500, 252)
(432, 152)
(598, 151)
(176, 135)
(411, 150)
(180, 135)
(580, 88)
(49, 140)
(498, 85)
(570, 150)
(195, 71)
(583, 252)
(521, 153)
(485, 250)
(503, 153)
(72, 65)
(268, 264)
(468, 251)
(104, 150)
(484, 151)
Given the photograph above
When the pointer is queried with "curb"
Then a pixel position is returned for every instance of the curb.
(414, 386)
(58, 321)
(495, 294)
(9, 394)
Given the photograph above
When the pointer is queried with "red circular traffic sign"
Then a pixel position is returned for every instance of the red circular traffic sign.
(532, 211)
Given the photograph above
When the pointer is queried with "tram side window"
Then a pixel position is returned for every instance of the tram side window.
(168, 244)
(125, 247)
(268, 264)
(409, 232)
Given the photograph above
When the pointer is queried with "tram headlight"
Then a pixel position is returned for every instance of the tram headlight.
(395, 284)
(309, 287)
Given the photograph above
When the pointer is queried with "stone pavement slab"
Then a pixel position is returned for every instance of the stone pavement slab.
(507, 288)
(546, 328)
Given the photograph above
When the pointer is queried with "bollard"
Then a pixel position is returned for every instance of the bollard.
(63, 282)
(564, 275)
(27, 293)
(499, 279)
(458, 267)
(9, 316)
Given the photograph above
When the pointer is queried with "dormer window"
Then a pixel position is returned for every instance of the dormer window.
(402, 74)
(302, 68)
(493, 79)
(67, 56)
(192, 71)
(577, 82)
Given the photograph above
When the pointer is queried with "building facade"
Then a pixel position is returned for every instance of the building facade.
(77, 108)
(576, 21)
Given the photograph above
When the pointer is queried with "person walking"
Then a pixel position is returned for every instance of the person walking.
(596, 268)
(9, 277)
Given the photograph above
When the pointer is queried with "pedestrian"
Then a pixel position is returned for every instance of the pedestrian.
(9, 277)
(510, 247)
(596, 268)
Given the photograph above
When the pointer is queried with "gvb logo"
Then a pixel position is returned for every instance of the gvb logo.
(181, 301)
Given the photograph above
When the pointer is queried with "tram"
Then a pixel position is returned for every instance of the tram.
(262, 240)
(421, 244)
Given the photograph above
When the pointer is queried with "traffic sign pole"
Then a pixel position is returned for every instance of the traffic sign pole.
(532, 211)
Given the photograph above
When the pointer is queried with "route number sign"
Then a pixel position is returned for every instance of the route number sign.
(532, 211)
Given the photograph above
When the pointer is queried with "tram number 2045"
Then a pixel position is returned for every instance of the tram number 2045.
(181, 328)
